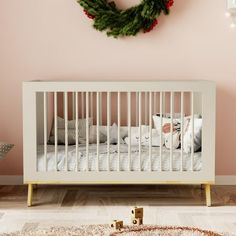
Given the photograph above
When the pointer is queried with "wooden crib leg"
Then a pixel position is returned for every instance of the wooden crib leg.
(30, 195)
(208, 194)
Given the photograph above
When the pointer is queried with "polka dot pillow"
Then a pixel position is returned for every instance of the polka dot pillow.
(4, 149)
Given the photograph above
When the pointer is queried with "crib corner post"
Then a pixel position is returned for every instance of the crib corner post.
(208, 194)
(30, 195)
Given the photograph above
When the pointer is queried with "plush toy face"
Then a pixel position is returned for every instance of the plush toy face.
(145, 138)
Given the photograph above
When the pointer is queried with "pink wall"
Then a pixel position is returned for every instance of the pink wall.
(52, 39)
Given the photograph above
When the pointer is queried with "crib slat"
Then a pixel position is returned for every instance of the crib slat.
(66, 130)
(154, 102)
(150, 129)
(82, 104)
(171, 129)
(164, 102)
(101, 109)
(73, 105)
(146, 107)
(87, 129)
(55, 129)
(76, 131)
(192, 141)
(63, 105)
(182, 128)
(140, 129)
(129, 130)
(98, 124)
(118, 143)
(136, 108)
(91, 106)
(108, 128)
(45, 125)
(161, 120)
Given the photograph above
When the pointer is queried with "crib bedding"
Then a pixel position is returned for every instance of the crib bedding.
(124, 160)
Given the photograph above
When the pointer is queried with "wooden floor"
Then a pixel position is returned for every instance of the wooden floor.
(75, 205)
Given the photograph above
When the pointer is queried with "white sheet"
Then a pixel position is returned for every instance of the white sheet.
(82, 162)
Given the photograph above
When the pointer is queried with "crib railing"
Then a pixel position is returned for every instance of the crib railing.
(105, 103)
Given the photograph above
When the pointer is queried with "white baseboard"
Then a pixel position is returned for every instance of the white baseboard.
(18, 179)
(11, 179)
(226, 179)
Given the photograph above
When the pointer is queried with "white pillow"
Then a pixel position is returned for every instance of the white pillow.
(123, 130)
(145, 137)
(93, 135)
(103, 133)
(187, 145)
(114, 135)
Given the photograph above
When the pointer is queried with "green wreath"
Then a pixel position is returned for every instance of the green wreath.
(119, 23)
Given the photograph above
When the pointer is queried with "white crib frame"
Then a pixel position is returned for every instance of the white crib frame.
(206, 176)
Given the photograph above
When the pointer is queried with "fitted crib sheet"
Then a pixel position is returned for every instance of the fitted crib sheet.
(124, 159)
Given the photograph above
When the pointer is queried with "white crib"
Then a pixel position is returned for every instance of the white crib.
(129, 105)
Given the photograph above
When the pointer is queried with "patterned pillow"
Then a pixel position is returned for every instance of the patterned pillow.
(71, 131)
(4, 149)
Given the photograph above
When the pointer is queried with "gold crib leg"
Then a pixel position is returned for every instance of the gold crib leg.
(30, 195)
(208, 194)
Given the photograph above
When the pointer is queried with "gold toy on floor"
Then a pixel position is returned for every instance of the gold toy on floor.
(137, 216)
(136, 219)
(117, 224)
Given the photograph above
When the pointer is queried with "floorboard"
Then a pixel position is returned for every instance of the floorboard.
(76, 205)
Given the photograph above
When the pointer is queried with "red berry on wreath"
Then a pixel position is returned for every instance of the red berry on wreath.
(169, 4)
(154, 23)
(89, 15)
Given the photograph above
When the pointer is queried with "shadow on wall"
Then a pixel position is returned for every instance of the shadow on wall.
(225, 128)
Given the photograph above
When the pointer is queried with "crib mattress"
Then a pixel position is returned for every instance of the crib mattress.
(124, 160)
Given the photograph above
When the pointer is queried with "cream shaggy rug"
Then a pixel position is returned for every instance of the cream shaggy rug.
(105, 230)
